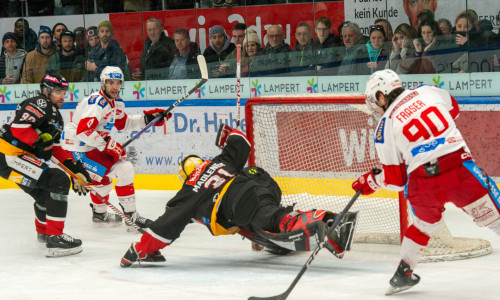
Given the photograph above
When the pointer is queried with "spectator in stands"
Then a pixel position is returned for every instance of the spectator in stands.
(80, 40)
(445, 27)
(158, 52)
(68, 7)
(414, 7)
(303, 59)
(92, 38)
(10, 8)
(185, 63)
(325, 43)
(403, 54)
(40, 7)
(136, 5)
(11, 61)
(276, 54)
(425, 15)
(35, 65)
(68, 61)
(485, 35)
(387, 28)
(465, 24)
(251, 50)
(228, 67)
(425, 48)
(107, 53)
(353, 52)
(224, 3)
(220, 47)
(377, 50)
(26, 37)
(56, 32)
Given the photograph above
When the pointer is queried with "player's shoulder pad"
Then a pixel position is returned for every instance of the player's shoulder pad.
(97, 100)
(119, 100)
(379, 134)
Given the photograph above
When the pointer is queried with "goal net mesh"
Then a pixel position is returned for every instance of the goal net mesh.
(315, 147)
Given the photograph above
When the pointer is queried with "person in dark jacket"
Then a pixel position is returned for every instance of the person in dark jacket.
(26, 37)
(11, 61)
(303, 61)
(159, 51)
(325, 43)
(107, 53)
(275, 58)
(185, 63)
(220, 47)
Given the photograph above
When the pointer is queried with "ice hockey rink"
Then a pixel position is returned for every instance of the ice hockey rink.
(200, 266)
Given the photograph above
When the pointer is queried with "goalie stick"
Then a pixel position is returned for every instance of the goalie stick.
(204, 77)
(336, 223)
(238, 82)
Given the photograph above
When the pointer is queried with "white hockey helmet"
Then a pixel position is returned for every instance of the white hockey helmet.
(111, 72)
(187, 166)
(384, 81)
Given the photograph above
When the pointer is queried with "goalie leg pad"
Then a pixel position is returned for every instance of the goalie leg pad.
(305, 238)
(340, 239)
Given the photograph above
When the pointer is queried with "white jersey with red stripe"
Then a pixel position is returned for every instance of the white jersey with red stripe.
(93, 119)
(417, 128)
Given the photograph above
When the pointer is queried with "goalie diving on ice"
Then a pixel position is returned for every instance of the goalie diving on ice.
(228, 198)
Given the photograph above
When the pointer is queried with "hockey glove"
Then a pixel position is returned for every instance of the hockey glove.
(43, 146)
(114, 149)
(150, 115)
(222, 135)
(79, 170)
(366, 183)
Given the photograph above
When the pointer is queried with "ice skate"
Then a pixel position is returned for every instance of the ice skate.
(138, 220)
(62, 245)
(403, 279)
(133, 255)
(105, 217)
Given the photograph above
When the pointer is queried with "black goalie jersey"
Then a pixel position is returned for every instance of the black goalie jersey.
(201, 195)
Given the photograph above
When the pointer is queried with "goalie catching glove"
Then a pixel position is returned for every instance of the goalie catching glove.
(150, 115)
(367, 183)
(79, 170)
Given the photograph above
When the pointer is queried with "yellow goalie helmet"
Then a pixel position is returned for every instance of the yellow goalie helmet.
(187, 166)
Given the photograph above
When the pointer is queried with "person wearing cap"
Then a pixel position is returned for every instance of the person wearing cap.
(35, 65)
(80, 40)
(11, 61)
(220, 47)
(228, 67)
(67, 61)
(92, 38)
(56, 32)
(158, 52)
(275, 54)
(414, 8)
(26, 37)
(252, 46)
(107, 53)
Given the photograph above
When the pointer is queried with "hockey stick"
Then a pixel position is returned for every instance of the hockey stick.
(336, 223)
(204, 77)
(238, 80)
(101, 198)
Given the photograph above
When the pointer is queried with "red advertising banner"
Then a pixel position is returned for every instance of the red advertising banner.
(130, 28)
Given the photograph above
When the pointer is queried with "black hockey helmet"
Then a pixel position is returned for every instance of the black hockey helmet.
(53, 81)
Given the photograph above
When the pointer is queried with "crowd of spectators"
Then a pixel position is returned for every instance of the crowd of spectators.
(466, 45)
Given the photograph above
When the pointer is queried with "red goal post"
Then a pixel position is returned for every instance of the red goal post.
(315, 146)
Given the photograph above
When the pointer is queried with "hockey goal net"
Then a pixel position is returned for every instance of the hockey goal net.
(314, 146)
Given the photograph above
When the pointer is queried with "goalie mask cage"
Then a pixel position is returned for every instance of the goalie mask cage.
(315, 146)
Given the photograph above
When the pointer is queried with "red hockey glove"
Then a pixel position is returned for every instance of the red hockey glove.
(150, 115)
(366, 183)
(114, 149)
(222, 135)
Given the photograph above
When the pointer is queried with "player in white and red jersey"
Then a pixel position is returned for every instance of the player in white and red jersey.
(421, 149)
(88, 137)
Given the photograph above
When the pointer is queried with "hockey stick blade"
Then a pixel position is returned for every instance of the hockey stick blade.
(336, 223)
(204, 77)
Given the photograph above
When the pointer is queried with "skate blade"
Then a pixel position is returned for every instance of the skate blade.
(59, 252)
(394, 290)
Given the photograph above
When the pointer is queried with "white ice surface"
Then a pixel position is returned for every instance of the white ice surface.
(200, 266)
